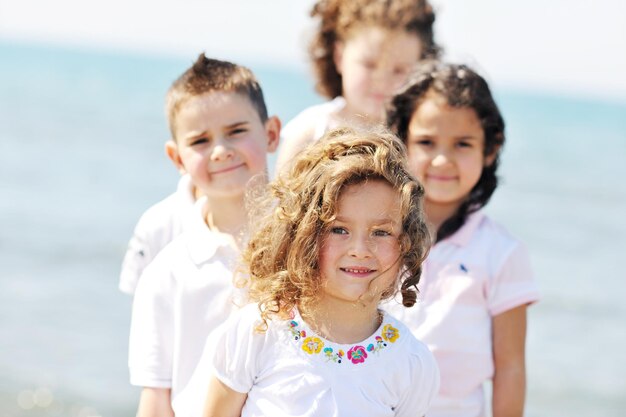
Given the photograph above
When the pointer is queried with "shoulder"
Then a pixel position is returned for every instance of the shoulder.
(310, 116)
(484, 241)
(304, 129)
(412, 347)
(416, 364)
(163, 213)
(157, 215)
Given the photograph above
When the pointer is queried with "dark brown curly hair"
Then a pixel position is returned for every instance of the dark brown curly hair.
(283, 251)
(337, 17)
(460, 87)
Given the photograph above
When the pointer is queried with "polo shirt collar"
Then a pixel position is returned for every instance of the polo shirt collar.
(463, 236)
(203, 243)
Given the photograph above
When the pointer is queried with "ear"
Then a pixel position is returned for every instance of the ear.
(272, 131)
(338, 55)
(171, 150)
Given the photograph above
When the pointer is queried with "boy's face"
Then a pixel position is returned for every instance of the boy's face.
(221, 142)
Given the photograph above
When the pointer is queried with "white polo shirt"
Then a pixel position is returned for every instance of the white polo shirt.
(468, 278)
(182, 296)
(157, 227)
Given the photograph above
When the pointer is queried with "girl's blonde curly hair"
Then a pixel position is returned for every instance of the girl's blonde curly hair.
(292, 218)
(335, 19)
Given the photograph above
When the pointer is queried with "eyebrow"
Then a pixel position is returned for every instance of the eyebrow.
(195, 135)
(237, 124)
(378, 221)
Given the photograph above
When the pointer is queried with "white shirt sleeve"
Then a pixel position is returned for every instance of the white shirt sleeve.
(138, 256)
(151, 344)
(238, 350)
(425, 386)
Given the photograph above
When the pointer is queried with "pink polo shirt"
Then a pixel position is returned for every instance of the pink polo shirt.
(468, 278)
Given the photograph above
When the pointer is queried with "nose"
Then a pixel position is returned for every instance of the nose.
(360, 246)
(221, 150)
(440, 158)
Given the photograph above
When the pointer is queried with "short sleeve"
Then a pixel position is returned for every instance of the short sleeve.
(424, 385)
(237, 350)
(513, 284)
(138, 256)
(151, 344)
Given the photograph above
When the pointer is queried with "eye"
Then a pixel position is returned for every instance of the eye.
(400, 70)
(381, 232)
(369, 64)
(199, 141)
(464, 144)
(424, 142)
(338, 231)
(238, 131)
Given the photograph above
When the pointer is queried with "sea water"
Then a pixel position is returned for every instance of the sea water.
(81, 157)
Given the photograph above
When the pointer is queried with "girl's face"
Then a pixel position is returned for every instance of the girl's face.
(373, 63)
(359, 255)
(446, 151)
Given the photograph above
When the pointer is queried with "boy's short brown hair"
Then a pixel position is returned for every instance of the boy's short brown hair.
(210, 75)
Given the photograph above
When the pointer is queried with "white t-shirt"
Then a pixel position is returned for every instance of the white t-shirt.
(468, 278)
(317, 117)
(182, 296)
(290, 371)
(157, 227)
(307, 127)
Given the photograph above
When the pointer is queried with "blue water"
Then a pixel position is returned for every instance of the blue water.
(81, 157)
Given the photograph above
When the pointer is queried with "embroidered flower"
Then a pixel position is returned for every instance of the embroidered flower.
(357, 354)
(390, 333)
(312, 345)
(293, 327)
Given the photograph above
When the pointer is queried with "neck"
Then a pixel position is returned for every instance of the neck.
(349, 117)
(343, 322)
(437, 214)
(227, 215)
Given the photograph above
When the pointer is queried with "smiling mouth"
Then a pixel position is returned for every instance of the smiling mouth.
(357, 271)
(221, 171)
(441, 177)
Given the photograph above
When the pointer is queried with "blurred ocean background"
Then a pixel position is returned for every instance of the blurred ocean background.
(81, 157)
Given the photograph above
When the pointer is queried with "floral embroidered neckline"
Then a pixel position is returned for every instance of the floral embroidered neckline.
(355, 354)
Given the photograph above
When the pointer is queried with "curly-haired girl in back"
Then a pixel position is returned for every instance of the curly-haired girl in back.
(362, 51)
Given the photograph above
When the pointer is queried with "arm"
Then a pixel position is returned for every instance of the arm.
(155, 402)
(509, 381)
(223, 401)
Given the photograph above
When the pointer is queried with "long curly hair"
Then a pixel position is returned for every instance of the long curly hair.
(335, 18)
(461, 87)
(283, 251)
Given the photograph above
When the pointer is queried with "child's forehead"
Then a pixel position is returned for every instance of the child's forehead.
(221, 104)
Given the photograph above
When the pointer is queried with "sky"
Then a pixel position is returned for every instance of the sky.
(573, 47)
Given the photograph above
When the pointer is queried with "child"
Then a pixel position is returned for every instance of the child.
(221, 135)
(362, 52)
(316, 343)
(477, 278)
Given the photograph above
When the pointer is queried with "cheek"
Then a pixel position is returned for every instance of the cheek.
(388, 253)
(418, 161)
(473, 167)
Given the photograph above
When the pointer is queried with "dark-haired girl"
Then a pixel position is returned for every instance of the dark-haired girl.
(477, 280)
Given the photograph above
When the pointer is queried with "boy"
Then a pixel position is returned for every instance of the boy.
(221, 135)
